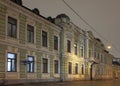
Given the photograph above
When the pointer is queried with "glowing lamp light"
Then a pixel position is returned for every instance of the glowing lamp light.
(109, 47)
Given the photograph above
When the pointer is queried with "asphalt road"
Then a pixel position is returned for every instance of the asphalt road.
(76, 83)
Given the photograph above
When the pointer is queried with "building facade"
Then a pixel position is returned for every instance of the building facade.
(35, 49)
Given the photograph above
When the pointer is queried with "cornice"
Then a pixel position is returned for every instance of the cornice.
(27, 12)
(23, 46)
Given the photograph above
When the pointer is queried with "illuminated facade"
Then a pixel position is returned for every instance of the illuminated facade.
(34, 48)
(100, 59)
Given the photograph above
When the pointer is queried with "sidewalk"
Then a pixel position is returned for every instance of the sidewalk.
(73, 83)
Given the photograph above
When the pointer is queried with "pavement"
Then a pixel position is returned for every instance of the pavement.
(73, 83)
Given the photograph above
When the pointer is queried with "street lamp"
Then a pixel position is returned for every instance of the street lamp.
(25, 63)
(109, 47)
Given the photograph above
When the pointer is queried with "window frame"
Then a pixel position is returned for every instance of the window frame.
(30, 33)
(11, 64)
(75, 47)
(76, 68)
(82, 69)
(44, 38)
(12, 27)
(81, 51)
(69, 67)
(69, 46)
(30, 64)
(45, 65)
(55, 42)
(56, 67)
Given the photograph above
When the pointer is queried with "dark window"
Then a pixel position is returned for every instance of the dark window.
(30, 33)
(81, 51)
(30, 64)
(44, 39)
(11, 62)
(70, 68)
(56, 66)
(45, 65)
(82, 69)
(12, 27)
(55, 42)
(68, 46)
(76, 68)
(75, 46)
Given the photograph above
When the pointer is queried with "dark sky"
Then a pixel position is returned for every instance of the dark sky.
(102, 15)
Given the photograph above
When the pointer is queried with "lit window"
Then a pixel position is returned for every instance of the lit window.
(11, 62)
(30, 64)
(30, 33)
(12, 27)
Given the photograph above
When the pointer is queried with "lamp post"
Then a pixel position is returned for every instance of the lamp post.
(25, 62)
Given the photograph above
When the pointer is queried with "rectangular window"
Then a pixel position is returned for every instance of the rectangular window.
(30, 64)
(76, 68)
(82, 69)
(55, 43)
(30, 33)
(68, 46)
(81, 51)
(12, 27)
(70, 67)
(45, 65)
(11, 62)
(75, 47)
(44, 39)
(55, 66)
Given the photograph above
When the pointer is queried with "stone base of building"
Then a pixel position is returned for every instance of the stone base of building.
(25, 81)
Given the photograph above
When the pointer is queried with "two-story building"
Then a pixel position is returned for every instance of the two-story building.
(35, 49)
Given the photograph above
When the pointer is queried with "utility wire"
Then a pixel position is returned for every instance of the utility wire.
(91, 27)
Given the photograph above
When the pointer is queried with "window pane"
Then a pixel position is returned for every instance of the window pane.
(76, 68)
(10, 55)
(68, 46)
(11, 62)
(70, 68)
(9, 66)
(30, 34)
(9, 29)
(30, 64)
(55, 42)
(44, 39)
(82, 69)
(12, 27)
(14, 31)
(45, 65)
(81, 51)
(56, 66)
(75, 47)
